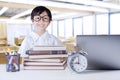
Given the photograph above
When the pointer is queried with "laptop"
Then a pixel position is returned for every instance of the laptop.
(103, 50)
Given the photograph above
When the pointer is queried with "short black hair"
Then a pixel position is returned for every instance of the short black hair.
(38, 10)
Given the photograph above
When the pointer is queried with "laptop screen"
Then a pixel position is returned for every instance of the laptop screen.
(103, 50)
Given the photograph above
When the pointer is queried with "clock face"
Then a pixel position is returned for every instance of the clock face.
(78, 63)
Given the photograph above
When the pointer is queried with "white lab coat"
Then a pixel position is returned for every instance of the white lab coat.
(34, 39)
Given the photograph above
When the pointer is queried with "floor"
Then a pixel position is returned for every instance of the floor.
(66, 74)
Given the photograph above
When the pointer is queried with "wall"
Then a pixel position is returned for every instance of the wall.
(3, 32)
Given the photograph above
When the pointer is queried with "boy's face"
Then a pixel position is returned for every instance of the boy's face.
(41, 21)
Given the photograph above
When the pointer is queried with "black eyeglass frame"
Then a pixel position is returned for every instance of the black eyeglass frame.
(45, 18)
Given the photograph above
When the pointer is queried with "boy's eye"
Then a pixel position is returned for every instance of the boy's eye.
(44, 18)
(38, 18)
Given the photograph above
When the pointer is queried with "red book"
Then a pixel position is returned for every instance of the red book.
(45, 52)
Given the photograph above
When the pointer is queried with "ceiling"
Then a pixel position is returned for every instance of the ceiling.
(21, 9)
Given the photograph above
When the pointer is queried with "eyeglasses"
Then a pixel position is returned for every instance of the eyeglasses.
(44, 18)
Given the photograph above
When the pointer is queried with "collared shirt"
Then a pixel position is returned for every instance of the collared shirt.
(33, 39)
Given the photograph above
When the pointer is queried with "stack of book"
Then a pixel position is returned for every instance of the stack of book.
(46, 57)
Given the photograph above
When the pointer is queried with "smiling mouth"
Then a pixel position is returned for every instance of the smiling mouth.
(40, 26)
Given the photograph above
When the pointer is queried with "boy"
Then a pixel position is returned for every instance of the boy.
(41, 18)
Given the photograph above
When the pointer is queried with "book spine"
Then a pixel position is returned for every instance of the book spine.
(48, 48)
(45, 52)
(45, 67)
(48, 56)
(44, 63)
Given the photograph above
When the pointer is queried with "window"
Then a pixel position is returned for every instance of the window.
(68, 28)
(102, 24)
(115, 23)
(17, 30)
(54, 28)
(77, 26)
(88, 25)
(61, 28)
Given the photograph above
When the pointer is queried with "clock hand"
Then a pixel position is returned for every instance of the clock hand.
(77, 61)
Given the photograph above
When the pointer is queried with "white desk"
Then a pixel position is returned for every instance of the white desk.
(58, 74)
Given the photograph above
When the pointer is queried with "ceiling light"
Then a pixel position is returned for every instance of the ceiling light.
(69, 6)
(22, 14)
(94, 3)
(62, 5)
(3, 10)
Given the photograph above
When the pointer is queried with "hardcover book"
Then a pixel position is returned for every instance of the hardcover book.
(44, 63)
(48, 56)
(49, 48)
(45, 52)
(59, 59)
(45, 67)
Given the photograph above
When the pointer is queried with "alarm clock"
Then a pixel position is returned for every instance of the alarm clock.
(77, 61)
